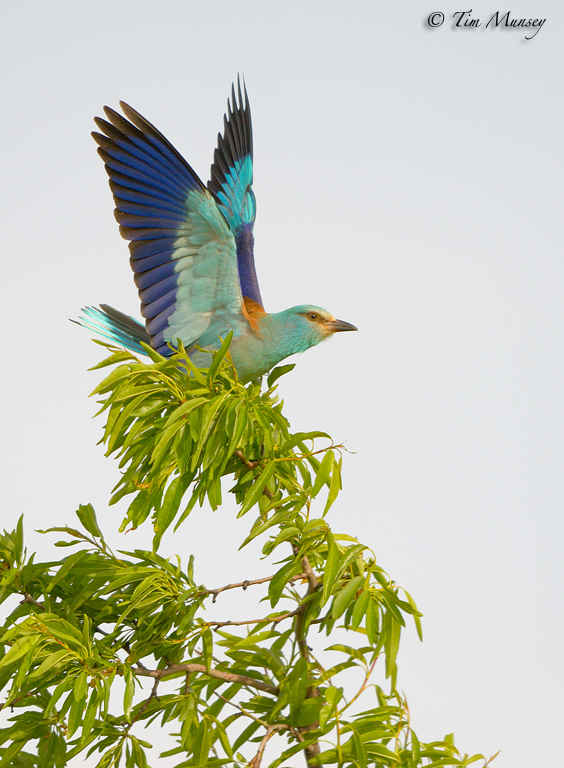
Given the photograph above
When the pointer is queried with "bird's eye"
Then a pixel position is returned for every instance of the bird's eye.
(312, 316)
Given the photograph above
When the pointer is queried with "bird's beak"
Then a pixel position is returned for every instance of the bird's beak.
(339, 325)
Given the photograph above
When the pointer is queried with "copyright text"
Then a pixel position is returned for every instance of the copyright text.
(464, 19)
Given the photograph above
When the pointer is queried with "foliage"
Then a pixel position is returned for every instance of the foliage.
(87, 629)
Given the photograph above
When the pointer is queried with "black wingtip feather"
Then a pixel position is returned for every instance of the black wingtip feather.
(138, 126)
(236, 142)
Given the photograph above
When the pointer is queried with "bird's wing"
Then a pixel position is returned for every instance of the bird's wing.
(231, 185)
(183, 253)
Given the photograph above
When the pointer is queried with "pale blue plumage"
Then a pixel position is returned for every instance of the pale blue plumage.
(237, 202)
(192, 249)
(208, 295)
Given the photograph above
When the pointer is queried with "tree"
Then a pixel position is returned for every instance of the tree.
(225, 688)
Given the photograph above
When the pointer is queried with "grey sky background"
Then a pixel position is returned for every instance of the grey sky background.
(410, 181)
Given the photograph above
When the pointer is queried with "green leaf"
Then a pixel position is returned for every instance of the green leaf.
(19, 541)
(87, 633)
(163, 444)
(116, 357)
(281, 578)
(416, 615)
(254, 638)
(256, 490)
(208, 420)
(332, 698)
(89, 715)
(359, 750)
(218, 357)
(244, 737)
(241, 419)
(356, 653)
(207, 642)
(18, 650)
(309, 711)
(64, 631)
(348, 556)
(75, 715)
(372, 748)
(285, 534)
(63, 686)
(152, 353)
(80, 686)
(183, 409)
(331, 568)
(129, 691)
(25, 665)
(392, 630)
(372, 621)
(324, 473)
(138, 754)
(54, 659)
(360, 608)
(194, 370)
(202, 744)
(297, 684)
(67, 565)
(299, 437)
(168, 510)
(276, 373)
(345, 596)
(332, 671)
(8, 754)
(224, 739)
(415, 748)
(335, 485)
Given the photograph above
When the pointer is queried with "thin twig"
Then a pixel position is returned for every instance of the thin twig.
(146, 703)
(338, 447)
(246, 462)
(241, 710)
(17, 700)
(270, 731)
(267, 620)
(228, 677)
(252, 465)
(29, 599)
(362, 687)
(245, 584)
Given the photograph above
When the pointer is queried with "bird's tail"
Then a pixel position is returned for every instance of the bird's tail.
(115, 326)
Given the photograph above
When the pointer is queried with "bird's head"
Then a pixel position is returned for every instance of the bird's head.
(309, 325)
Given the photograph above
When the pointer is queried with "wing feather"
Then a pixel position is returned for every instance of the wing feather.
(183, 253)
(231, 179)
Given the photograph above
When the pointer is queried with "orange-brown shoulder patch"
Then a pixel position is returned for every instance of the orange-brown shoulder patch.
(253, 311)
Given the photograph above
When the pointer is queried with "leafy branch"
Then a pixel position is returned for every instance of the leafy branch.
(225, 688)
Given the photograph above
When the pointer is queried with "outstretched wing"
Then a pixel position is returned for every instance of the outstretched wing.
(231, 185)
(183, 253)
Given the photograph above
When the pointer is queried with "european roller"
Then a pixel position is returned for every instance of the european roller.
(192, 246)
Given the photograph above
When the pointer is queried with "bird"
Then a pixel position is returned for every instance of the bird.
(192, 249)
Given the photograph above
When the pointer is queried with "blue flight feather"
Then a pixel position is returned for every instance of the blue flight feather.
(231, 179)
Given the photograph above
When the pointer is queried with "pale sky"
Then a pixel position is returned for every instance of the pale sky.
(409, 180)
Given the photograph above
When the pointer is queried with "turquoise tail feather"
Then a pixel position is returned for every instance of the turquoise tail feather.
(116, 327)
